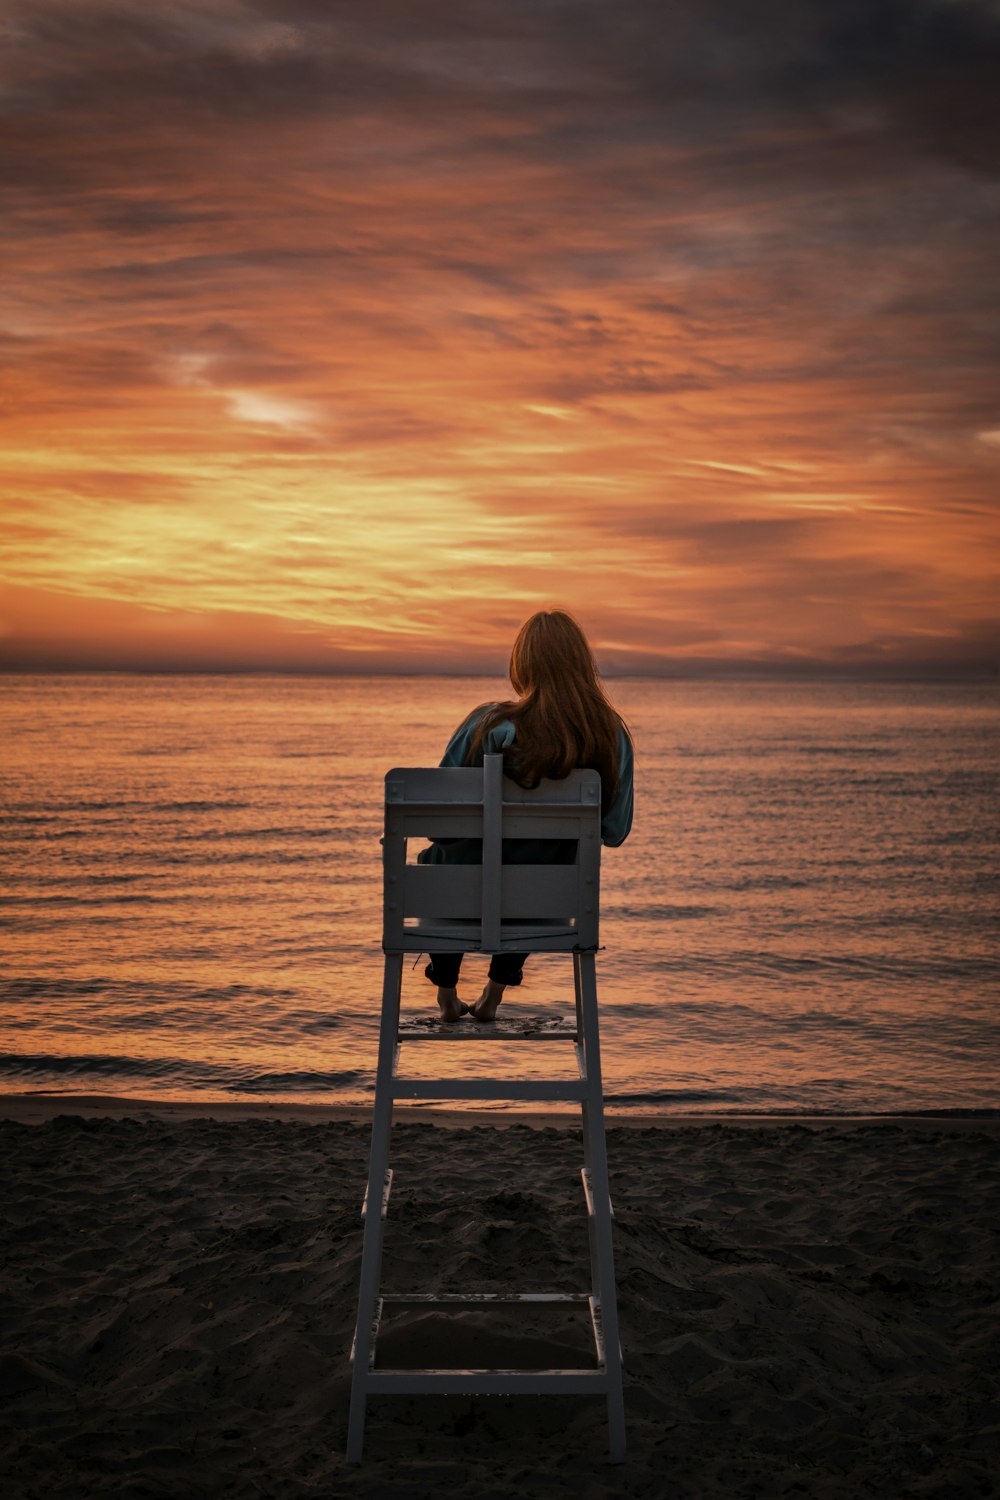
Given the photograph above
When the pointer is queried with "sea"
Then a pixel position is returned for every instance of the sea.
(803, 920)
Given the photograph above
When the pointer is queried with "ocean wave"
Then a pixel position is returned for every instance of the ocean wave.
(295, 831)
(27, 820)
(674, 1096)
(301, 1081)
(107, 1063)
(198, 805)
(788, 905)
(39, 987)
(146, 752)
(192, 1074)
(207, 857)
(103, 898)
(33, 834)
(653, 912)
(865, 751)
(54, 807)
(763, 964)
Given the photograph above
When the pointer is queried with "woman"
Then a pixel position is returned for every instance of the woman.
(561, 721)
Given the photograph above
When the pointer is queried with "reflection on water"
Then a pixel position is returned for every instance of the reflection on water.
(802, 919)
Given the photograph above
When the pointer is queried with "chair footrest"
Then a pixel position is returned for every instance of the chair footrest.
(488, 1382)
(484, 1382)
(504, 1029)
(479, 1299)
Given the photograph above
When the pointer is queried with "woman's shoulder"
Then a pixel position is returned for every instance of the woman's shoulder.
(499, 734)
(492, 714)
(500, 730)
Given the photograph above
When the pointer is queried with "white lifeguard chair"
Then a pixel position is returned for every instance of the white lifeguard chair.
(490, 908)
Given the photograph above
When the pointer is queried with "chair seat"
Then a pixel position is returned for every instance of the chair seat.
(462, 935)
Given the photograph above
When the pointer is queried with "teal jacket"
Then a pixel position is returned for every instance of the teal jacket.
(616, 820)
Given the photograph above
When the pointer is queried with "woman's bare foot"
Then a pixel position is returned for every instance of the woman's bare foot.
(485, 1008)
(452, 1008)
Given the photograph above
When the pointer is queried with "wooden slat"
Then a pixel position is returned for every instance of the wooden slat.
(538, 891)
(477, 1299)
(588, 873)
(435, 823)
(569, 1089)
(487, 1382)
(442, 891)
(547, 938)
(434, 935)
(431, 936)
(519, 824)
(394, 865)
(438, 784)
(580, 786)
(432, 784)
(492, 886)
(543, 892)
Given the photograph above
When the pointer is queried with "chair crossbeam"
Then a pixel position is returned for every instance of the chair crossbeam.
(478, 1299)
(541, 1090)
(423, 804)
(488, 1382)
(435, 937)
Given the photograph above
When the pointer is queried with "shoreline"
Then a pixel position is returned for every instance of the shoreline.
(40, 1106)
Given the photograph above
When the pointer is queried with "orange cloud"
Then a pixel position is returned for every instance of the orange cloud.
(344, 343)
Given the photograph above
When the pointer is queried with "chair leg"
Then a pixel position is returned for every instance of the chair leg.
(595, 1152)
(585, 1113)
(371, 1249)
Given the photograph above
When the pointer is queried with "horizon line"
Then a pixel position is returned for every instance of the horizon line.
(770, 672)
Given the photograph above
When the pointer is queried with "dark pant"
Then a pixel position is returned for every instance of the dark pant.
(505, 968)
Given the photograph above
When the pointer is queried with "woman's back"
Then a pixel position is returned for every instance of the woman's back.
(468, 745)
(561, 721)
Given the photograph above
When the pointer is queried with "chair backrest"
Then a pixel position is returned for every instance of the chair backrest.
(490, 906)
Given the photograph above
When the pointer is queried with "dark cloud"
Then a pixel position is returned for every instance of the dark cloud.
(569, 76)
(108, 62)
(892, 654)
(727, 538)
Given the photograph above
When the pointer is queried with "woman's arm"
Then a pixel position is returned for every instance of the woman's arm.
(617, 821)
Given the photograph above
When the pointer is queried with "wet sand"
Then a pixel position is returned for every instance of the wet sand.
(809, 1307)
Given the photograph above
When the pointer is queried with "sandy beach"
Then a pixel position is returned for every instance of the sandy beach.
(808, 1307)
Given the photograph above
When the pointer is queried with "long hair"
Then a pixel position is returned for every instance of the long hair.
(562, 716)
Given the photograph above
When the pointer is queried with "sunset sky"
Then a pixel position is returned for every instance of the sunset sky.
(344, 335)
